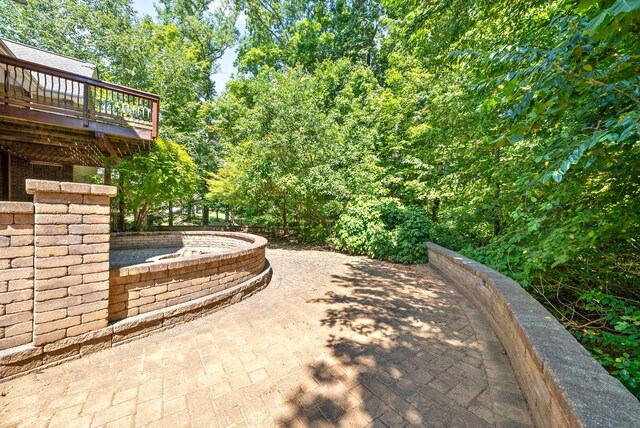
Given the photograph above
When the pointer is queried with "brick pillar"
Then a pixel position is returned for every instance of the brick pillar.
(71, 258)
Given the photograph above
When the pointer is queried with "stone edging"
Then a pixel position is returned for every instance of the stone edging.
(24, 359)
(563, 384)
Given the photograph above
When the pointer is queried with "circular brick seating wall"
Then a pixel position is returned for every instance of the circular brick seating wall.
(150, 286)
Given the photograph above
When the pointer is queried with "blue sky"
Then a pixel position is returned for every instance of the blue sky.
(145, 7)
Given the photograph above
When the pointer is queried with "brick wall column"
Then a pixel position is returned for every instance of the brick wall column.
(71, 258)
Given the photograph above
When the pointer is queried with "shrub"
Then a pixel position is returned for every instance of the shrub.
(616, 341)
(383, 229)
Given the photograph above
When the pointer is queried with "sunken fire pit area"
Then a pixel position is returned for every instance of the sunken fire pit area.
(183, 267)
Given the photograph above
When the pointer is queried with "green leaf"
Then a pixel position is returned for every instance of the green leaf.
(624, 6)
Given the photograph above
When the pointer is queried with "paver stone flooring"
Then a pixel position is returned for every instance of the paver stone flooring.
(334, 340)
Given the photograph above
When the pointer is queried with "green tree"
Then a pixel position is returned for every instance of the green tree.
(290, 159)
(148, 180)
(299, 33)
(279, 173)
(511, 126)
(92, 30)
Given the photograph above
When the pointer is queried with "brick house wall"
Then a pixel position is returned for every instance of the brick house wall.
(21, 170)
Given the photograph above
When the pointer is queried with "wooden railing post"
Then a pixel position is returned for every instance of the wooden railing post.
(85, 106)
(155, 113)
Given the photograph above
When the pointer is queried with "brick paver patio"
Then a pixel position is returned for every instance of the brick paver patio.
(334, 340)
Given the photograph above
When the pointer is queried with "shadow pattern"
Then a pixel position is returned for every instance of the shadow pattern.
(402, 352)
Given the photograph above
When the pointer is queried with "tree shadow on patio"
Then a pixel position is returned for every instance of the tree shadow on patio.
(402, 352)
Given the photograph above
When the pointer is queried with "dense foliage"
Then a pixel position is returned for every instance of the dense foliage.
(508, 131)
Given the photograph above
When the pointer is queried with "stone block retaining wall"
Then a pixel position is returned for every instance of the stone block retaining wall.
(132, 240)
(16, 273)
(563, 384)
(230, 228)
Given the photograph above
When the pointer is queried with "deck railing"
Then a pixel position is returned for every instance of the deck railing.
(90, 102)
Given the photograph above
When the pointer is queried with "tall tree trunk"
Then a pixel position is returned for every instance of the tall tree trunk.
(170, 213)
(189, 210)
(140, 222)
(284, 212)
(205, 216)
(435, 209)
(496, 220)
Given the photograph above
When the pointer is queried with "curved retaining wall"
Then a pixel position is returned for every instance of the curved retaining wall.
(78, 308)
(150, 286)
(564, 385)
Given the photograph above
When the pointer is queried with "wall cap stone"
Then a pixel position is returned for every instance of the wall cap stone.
(594, 398)
(103, 190)
(16, 207)
(46, 186)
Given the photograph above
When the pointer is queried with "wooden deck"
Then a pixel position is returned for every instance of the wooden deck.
(52, 115)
